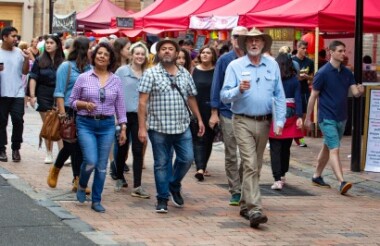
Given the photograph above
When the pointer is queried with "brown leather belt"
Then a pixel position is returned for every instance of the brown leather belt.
(98, 117)
(256, 117)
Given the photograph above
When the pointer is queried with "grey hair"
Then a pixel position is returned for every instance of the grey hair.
(239, 29)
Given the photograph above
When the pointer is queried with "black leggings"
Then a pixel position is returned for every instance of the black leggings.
(70, 149)
(137, 151)
(280, 155)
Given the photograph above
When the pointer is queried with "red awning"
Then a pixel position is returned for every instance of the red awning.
(108, 31)
(328, 15)
(155, 8)
(178, 18)
(261, 6)
(224, 17)
(99, 15)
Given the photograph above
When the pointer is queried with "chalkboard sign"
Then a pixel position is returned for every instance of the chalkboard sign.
(201, 39)
(371, 138)
(125, 22)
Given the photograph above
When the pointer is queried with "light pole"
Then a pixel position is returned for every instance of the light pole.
(51, 14)
(357, 113)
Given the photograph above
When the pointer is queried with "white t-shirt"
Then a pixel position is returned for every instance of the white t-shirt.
(11, 77)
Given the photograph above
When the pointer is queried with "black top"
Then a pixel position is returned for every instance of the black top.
(43, 76)
(203, 81)
(304, 64)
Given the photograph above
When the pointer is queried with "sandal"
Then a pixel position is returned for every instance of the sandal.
(207, 174)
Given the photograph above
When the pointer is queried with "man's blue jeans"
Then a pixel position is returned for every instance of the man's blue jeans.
(168, 176)
(95, 139)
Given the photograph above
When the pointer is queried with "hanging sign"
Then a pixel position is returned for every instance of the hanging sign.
(280, 34)
(213, 22)
(125, 22)
(64, 23)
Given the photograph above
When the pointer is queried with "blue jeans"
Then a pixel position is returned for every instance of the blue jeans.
(167, 176)
(95, 139)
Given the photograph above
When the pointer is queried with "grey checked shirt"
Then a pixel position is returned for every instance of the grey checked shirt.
(167, 111)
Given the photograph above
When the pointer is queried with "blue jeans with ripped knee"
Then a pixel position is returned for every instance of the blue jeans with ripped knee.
(95, 139)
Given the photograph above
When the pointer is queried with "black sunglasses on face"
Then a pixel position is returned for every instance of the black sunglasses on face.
(102, 95)
(235, 36)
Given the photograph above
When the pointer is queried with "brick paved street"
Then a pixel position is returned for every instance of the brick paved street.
(318, 217)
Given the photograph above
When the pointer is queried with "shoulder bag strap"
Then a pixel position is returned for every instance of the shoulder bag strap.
(183, 98)
(68, 77)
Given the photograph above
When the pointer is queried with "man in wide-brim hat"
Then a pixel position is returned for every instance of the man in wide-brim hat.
(252, 85)
(257, 34)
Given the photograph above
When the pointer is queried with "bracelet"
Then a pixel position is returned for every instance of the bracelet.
(61, 116)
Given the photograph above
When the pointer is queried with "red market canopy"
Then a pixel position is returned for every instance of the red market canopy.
(225, 17)
(155, 8)
(261, 6)
(328, 15)
(99, 14)
(178, 18)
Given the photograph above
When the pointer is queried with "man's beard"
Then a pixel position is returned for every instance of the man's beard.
(167, 61)
(254, 52)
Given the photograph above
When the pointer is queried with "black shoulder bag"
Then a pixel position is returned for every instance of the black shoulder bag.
(194, 127)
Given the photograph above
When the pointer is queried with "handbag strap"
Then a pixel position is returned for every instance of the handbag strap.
(183, 98)
(68, 77)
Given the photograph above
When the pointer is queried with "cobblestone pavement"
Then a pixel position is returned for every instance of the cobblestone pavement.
(300, 214)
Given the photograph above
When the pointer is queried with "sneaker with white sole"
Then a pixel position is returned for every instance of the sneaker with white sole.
(140, 192)
(277, 185)
(48, 158)
(283, 180)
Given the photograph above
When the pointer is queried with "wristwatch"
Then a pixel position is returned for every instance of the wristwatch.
(123, 126)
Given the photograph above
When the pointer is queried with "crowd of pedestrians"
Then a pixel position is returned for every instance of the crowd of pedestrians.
(120, 94)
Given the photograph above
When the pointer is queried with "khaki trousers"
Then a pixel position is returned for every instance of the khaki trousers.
(251, 137)
(234, 171)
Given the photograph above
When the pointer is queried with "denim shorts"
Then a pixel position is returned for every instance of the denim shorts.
(332, 132)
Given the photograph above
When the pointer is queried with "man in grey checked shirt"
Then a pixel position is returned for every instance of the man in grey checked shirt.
(168, 121)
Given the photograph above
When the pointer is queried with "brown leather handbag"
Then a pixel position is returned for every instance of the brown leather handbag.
(68, 130)
(50, 130)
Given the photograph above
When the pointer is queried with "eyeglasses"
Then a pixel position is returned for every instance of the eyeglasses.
(235, 36)
(102, 95)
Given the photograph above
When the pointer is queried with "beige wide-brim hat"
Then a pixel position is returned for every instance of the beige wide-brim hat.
(255, 33)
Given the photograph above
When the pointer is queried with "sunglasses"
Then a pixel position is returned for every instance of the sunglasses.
(235, 36)
(102, 95)
(172, 82)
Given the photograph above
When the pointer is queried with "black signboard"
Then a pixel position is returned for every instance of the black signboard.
(125, 22)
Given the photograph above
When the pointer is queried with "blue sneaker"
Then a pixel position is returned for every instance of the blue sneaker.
(81, 195)
(97, 207)
(318, 181)
(235, 199)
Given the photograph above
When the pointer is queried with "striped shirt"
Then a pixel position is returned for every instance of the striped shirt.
(87, 88)
(167, 111)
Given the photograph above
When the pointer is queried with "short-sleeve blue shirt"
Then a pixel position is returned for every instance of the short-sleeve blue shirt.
(333, 86)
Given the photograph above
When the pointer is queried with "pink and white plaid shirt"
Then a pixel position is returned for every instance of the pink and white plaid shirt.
(87, 88)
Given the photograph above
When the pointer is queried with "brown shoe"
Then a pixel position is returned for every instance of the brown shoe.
(76, 184)
(52, 178)
(16, 155)
(257, 218)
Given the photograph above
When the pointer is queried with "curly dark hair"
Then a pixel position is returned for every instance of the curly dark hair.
(109, 50)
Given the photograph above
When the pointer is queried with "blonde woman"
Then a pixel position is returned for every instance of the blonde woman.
(130, 76)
